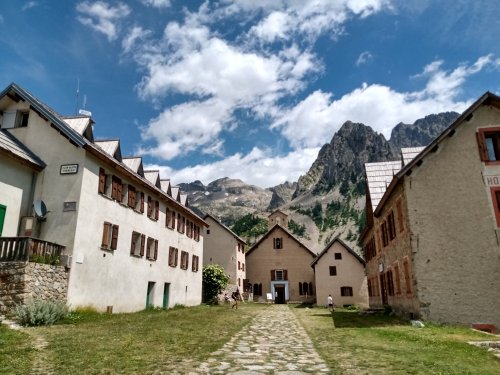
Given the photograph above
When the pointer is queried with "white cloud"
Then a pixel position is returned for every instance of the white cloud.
(259, 167)
(364, 58)
(313, 121)
(219, 78)
(102, 17)
(29, 5)
(136, 34)
(156, 3)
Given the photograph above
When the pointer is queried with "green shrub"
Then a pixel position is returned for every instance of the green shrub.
(39, 312)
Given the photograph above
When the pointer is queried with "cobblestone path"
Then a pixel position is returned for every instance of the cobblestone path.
(273, 343)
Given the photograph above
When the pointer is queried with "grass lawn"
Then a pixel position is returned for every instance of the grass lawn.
(16, 352)
(380, 344)
(145, 342)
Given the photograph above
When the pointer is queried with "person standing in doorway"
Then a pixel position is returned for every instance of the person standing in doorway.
(330, 302)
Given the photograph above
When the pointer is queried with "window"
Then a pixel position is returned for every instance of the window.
(370, 250)
(153, 208)
(116, 189)
(22, 119)
(390, 283)
(305, 288)
(383, 229)
(399, 208)
(131, 197)
(243, 266)
(197, 233)
(239, 265)
(333, 270)
(189, 229)
(109, 236)
(140, 203)
(195, 262)
(184, 260)
(208, 231)
(398, 281)
(173, 255)
(102, 181)
(239, 281)
(137, 244)
(391, 226)
(181, 223)
(279, 275)
(370, 291)
(346, 291)
(278, 243)
(152, 249)
(406, 270)
(495, 197)
(489, 144)
(338, 256)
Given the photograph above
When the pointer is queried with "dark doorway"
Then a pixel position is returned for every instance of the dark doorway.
(279, 294)
(383, 287)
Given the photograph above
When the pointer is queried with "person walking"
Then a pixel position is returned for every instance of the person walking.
(235, 296)
(330, 302)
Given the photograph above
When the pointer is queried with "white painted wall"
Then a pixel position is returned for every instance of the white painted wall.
(15, 186)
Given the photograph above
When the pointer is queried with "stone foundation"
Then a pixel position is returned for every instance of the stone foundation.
(22, 281)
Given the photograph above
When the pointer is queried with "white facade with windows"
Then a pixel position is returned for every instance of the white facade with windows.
(116, 222)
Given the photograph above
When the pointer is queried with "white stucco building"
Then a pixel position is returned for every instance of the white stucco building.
(130, 237)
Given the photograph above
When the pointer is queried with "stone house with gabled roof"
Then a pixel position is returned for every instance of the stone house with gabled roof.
(125, 243)
(279, 265)
(224, 247)
(431, 243)
(340, 272)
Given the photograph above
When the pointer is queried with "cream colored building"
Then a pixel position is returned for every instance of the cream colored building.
(224, 247)
(128, 242)
(278, 265)
(432, 239)
(340, 272)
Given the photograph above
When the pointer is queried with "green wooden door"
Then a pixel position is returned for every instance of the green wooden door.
(3, 209)
(166, 288)
(149, 295)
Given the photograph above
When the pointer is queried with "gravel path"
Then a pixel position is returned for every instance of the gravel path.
(274, 342)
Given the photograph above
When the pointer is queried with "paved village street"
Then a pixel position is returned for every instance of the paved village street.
(273, 343)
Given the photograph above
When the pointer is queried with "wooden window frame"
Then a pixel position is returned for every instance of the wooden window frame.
(399, 209)
(278, 243)
(391, 226)
(131, 201)
(109, 236)
(137, 244)
(495, 199)
(173, 256)
(346, 291)
(332, 270)
(152, 249)
(184, 260)
(102, 182)
(116, 189)
(195, 263)
(481, 135)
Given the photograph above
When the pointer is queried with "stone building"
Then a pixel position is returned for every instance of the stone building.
(224, 247)
(126, 238)
(278, 265)
(340, 271)
(431, 243)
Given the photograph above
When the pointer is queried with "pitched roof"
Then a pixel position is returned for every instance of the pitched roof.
(327, 247)
(184, 199)
(14, 148)
(409, 153)
(175, 193)
(78, 123)
(16, 92)
(134, 163)
(165, 186)
(378, 178)
(486, 99)
(275, 227)
(110, 147)
(275, 211)
(226, 228)
(153, 176)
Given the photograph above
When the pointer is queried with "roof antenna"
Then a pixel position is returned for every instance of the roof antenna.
(77, 94)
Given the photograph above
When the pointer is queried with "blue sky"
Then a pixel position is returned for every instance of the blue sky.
(248, 89)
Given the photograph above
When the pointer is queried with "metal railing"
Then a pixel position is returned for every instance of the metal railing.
(18, 249)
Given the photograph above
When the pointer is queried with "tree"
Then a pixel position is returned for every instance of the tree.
(214, 281)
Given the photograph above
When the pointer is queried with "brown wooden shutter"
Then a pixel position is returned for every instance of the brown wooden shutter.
(143, 241)
(119, 190)
(150, 208)
(483, 152)
(273, 275)
(156, 250)
(131, 196)
(167, 216)
(157, 210)
(113, 187)
(142, 203)
(285, 274)
(176, 257)
(102, 181)
(114, 237)
(105, 235)
(132, 243)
